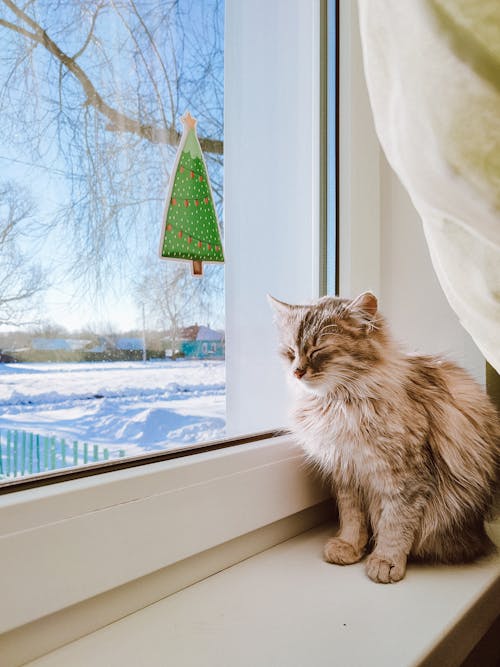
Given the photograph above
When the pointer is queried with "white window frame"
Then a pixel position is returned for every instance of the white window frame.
(68, 544)
(65, 543)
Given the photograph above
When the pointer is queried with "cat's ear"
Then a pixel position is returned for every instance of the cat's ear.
(281, 309)
(366, 303)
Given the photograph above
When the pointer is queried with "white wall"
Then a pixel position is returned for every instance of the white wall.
(410, 295)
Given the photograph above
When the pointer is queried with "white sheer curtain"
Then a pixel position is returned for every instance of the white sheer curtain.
(433, 75)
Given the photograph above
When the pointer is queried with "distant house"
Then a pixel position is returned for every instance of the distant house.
(57, 344)
(101, 347)
(116, 348)
(199, 342)
(129, 344)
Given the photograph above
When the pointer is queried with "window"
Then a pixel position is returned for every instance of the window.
(104, 346)
(78, 529)
(101, 388)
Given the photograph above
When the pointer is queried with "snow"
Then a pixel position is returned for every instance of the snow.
(132, 406)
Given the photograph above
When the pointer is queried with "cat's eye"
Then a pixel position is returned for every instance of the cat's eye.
(314, 353)
(289, 353)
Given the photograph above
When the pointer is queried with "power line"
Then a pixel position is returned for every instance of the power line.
(60, 172)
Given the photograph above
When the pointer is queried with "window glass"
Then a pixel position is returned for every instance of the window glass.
(106, 351)
(273, 189)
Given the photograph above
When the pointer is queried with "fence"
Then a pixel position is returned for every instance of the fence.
(25, 453)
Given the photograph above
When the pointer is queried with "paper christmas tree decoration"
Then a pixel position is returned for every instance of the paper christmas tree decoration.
(190, 228)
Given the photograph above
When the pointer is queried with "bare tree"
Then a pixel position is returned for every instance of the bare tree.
(162, 132)
(107, 81)
(21, 279)
(49, 330)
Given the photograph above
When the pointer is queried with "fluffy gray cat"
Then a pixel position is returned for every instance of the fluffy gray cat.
(410, 443)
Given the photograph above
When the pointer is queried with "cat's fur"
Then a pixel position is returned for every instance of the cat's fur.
(410, 443)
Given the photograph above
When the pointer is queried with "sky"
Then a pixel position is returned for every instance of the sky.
(61, 302)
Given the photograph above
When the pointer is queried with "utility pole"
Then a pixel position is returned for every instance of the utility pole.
(143, 334)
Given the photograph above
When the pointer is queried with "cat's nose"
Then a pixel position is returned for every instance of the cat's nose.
(299, 372)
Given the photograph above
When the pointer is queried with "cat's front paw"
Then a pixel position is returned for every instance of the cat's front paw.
(384, 569)
(340, 552)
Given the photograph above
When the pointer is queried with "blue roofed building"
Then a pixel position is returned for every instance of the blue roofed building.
(201, 342)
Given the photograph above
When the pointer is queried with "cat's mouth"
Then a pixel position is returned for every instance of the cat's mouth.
(312, 384)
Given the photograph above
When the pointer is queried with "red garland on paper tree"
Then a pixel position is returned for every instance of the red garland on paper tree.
(190, 228)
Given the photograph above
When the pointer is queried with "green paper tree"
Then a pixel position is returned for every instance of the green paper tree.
(191, 229)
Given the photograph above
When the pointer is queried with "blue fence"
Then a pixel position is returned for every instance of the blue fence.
(25, 453)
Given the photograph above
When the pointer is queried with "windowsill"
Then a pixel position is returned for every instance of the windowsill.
(97, 549)
(286, 607)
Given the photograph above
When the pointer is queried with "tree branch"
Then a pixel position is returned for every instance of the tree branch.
(16, 28)
(76, 55)
(118, 121)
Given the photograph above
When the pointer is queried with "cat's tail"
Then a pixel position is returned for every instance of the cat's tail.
(457, 544)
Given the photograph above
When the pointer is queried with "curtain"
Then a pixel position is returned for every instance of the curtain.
(433, 74)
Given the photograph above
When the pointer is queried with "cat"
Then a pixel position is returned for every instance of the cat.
(410, 443)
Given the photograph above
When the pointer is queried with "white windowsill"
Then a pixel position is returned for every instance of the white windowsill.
(98, 548)
(285, 607)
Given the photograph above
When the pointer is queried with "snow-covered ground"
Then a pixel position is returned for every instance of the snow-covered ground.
(130, 406)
